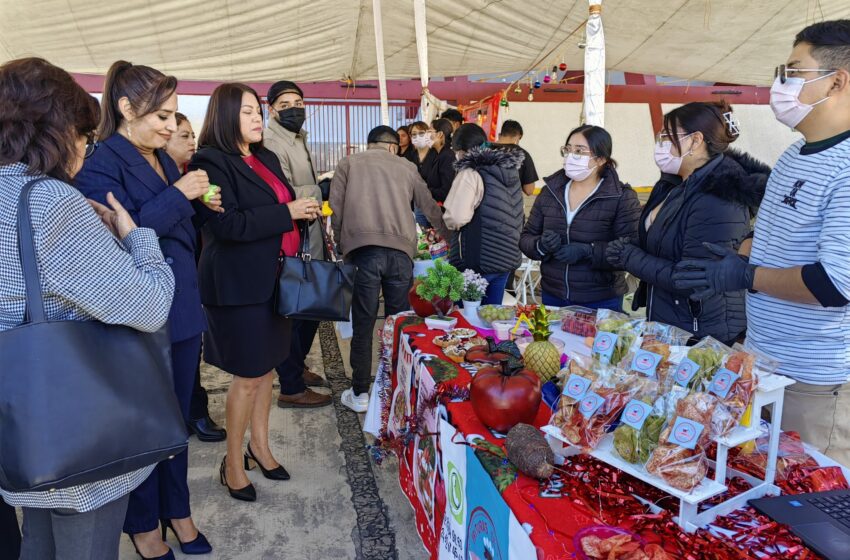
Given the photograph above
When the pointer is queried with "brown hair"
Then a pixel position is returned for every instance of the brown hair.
(146, 88)
(181, 118)
(419, 125)
(706, 117)
(221, 125)
(43, 111)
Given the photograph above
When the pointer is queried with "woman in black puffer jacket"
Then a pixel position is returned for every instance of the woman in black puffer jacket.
(707, 194)
(581, 209)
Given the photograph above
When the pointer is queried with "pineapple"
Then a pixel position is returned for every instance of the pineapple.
(541, 356)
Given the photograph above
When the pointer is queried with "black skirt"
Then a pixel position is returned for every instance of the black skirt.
(246, 340)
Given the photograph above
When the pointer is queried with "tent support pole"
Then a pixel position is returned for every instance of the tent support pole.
(379, 53)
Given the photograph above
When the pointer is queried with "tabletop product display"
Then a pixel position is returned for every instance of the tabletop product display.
(597, 499)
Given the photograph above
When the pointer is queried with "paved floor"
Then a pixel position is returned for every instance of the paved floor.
(338, 505)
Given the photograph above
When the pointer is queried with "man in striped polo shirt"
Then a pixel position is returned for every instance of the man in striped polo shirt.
(798, 271)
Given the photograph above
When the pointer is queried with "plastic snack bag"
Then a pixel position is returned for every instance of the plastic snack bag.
(791, 453)
(651, 355)
(601, 406)
(680, 458)
(641, 424)
(616, 333)
(697, 369)
(734, 384)
(578, 376)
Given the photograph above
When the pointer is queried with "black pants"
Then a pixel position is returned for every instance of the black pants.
(199, 405)
(378, 268)
(291, 372)
(10, 534)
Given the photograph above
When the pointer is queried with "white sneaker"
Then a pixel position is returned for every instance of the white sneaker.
(357, 403)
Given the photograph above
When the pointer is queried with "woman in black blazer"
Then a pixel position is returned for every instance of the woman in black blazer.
(238, 272)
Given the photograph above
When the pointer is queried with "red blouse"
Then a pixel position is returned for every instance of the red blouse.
(292, 239)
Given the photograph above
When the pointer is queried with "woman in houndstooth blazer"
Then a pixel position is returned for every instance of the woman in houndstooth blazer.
(94, 264)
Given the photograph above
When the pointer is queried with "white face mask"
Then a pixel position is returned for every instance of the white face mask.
(785, 100)
(576, 167)
(422, 142)
(665, 160)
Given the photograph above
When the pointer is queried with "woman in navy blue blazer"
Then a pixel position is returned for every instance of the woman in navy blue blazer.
(138, 117)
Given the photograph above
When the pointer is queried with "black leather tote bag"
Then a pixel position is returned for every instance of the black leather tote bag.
(80, 401)
(314, 290)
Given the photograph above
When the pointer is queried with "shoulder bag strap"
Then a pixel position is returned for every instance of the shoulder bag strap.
(26, 245)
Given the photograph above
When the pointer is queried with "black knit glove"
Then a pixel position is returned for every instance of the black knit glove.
(730, 272)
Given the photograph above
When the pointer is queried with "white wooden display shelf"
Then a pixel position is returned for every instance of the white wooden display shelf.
(770, 393)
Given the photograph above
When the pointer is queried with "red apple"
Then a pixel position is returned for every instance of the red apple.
(502, 398)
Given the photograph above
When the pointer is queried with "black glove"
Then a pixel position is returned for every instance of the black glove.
(571, 253)
(549, 242)
(731, 272)
(325, 187)
(618, 252)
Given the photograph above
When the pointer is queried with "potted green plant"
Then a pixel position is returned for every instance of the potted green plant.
(442, 286)
(474, 288)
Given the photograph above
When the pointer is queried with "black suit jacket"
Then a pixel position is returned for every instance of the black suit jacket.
(241, 246)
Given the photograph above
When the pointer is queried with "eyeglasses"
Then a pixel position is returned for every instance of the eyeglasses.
(91, 144)
(662, 137)
(575, 150)
(782, 72)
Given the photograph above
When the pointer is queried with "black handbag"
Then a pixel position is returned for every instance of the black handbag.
(80, 401)
(314, 290)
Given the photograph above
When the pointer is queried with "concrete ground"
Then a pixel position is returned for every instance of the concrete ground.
(338, 504)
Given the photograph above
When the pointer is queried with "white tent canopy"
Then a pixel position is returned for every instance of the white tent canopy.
(738, 41)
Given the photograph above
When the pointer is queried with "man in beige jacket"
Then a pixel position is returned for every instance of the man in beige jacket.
(371, 197)
(286, 137)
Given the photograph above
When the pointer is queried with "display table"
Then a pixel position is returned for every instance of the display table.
(470, 502)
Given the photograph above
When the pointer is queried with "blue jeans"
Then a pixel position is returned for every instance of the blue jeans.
(495, 288)
(614, 304)
(421, 219)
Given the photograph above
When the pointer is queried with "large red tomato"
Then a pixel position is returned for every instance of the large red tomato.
(502, 398)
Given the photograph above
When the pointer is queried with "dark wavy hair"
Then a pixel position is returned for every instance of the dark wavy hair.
(146, 88)
(221, 125)
(43, 112)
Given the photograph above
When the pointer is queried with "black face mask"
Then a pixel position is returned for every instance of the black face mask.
(292, 119)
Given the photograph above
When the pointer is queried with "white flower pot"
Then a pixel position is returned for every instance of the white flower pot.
(470, 309)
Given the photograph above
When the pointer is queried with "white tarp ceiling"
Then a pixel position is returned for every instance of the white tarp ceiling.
(738, 41)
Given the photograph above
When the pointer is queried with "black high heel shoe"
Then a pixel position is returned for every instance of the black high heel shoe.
(247, 494)
(277, 473)
(167, 556)
(198, 546)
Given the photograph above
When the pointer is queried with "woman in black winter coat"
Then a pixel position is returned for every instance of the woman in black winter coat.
(579, 211)
(706, 194)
